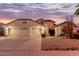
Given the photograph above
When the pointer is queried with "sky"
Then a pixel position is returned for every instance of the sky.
(53, 11)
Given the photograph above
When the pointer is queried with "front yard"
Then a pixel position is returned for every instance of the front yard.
(60, 44)
(50, 46)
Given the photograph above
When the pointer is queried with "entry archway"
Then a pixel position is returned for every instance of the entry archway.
(51, 32)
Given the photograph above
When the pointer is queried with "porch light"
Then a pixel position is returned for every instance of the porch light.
(43, 30)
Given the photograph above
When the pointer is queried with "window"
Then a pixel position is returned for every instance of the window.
(33, 28)
(24, 22)
(78, 31)
(9, 30)
(23, 28)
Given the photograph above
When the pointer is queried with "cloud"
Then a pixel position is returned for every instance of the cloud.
(17, 10)
(52, 11)
(11, 10)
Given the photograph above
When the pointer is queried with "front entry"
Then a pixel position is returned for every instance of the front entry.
(51, 32)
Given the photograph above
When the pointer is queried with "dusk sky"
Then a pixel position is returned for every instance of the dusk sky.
(53, 11)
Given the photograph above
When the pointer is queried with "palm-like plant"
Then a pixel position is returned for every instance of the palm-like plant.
(76, 12)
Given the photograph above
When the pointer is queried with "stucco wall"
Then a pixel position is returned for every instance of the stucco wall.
(20, 29)
(58, 31)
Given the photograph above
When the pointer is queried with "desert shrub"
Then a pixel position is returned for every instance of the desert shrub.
(62, 34)
(75, 36)
(43, 35)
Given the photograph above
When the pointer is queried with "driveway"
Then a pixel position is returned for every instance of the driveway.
(9, 43)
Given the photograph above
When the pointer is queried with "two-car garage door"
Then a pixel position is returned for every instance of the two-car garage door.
(24, 32)
(18, 32)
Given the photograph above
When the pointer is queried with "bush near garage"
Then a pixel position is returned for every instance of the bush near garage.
(75, 36)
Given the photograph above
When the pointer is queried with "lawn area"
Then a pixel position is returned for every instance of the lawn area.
(60, 44)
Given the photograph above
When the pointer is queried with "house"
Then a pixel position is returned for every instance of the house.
(23, 28)
(65, 28)
(49, 26)
(35, 29)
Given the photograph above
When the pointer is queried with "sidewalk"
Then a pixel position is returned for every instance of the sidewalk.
(39, 53)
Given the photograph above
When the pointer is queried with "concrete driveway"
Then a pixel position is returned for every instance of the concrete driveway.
(9, 43)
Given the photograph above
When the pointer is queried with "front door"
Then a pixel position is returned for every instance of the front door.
(51, 32)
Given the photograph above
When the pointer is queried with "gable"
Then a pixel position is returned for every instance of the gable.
(23, 23)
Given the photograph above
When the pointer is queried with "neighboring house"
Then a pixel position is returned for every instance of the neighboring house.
(23, 28)
(77, 29)
(76, 21)
(49, 27)
(64, 28)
